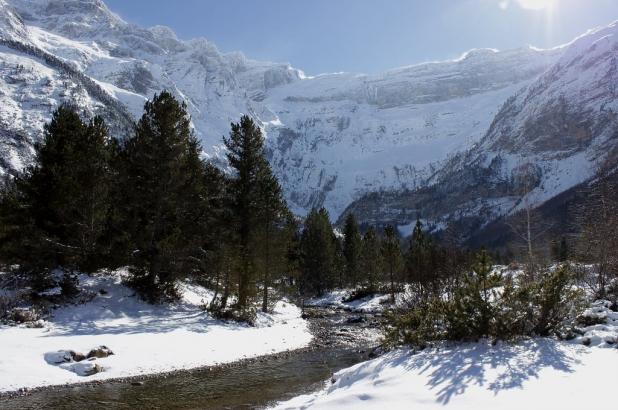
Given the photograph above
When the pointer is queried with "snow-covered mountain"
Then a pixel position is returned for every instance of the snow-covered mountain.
(546, 139)
(332, 139)
(126, 63)
(340, 136)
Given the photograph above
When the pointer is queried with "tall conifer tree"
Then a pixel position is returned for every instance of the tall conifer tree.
(351, 249)
(56, 211)
(163, 180)
(391, 253)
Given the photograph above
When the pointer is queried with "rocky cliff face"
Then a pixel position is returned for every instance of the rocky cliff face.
(547, 138)
(337, 137)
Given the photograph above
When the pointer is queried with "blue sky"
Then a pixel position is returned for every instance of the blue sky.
(369, 36)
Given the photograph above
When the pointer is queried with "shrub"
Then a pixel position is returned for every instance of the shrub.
(556, 300)
(248, 315)
(69, 284)
(152, 289)
(417, 326)
(487, 305)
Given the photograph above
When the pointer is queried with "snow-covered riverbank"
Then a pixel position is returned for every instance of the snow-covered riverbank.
(532, 373)
(538, 373)
(145, 339)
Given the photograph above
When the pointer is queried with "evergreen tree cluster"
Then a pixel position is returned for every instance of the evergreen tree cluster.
(371, 262)
(92, 202)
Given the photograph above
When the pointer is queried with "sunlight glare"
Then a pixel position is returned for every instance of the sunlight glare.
(537, 4)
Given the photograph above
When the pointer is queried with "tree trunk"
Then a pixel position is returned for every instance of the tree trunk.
(392, 282)
(266, 271)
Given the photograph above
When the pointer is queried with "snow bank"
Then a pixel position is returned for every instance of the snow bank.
(533, 374)
(599, 326)
(145, 338)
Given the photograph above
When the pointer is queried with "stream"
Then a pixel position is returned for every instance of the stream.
(342, 339)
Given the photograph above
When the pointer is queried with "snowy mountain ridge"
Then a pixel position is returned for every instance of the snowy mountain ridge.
(547, 138)
(331, 139)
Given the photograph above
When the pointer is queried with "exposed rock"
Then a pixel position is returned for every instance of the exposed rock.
(86, 368)
(78, 357)
(100, 352)
(60, 356)
(63, 356)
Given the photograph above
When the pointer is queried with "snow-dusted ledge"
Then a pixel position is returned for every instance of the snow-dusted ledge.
(534, 374)
(145, 339)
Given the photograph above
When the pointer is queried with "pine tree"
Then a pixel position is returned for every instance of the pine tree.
(351, 250)
(371, 260)
(317, 247)
(93, 177)
(391, 254)
(272, 215)
(339, 264)
(214, 262)
(250, 187)
(163, 187)
(472, 311)
(419, 258)
(60, 205)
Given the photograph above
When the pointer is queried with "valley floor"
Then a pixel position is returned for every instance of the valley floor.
(537, 373)
(145, 339)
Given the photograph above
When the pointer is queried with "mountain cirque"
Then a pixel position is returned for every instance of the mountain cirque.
(335, 139)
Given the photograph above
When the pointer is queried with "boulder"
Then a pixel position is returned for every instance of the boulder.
(78, 357)
(100, 352)
(63, 356)
(86, 368)
(60, 356)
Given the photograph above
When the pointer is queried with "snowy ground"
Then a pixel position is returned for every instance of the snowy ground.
(540, 373)
(145, 338)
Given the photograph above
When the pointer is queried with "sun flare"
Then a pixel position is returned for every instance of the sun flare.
(537, 4)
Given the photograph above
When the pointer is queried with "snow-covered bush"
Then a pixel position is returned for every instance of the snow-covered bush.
(488, 305)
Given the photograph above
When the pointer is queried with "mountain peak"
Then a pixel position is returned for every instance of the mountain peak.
(69, 17)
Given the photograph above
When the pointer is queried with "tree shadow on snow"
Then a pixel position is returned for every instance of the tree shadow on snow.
(451, 370)
(503, 367)
(125, 313)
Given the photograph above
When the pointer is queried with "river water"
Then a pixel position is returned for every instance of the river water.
(245, 385)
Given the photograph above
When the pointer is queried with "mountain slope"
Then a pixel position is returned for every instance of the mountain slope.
(446, 128)
(339, 136)
(546, 139)
(331, 138)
